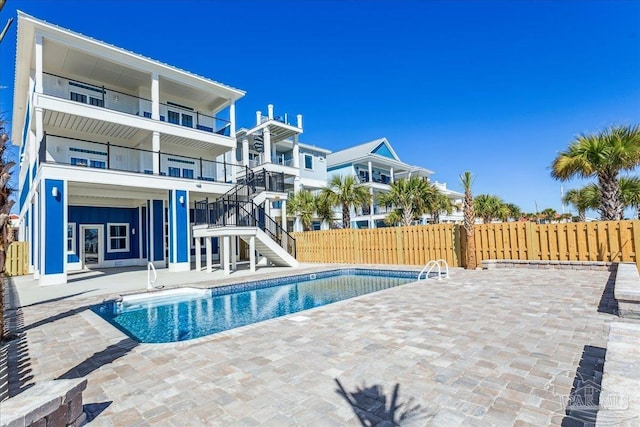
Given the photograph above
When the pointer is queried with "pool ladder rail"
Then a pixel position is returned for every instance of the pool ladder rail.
(150, 269)
(439, 263)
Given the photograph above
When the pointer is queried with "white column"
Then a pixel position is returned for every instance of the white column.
(266, 133)
(297, 184)
(234, 249)
(372, 223)
(393, 178)
(232, 120)
(39, 130)
(245, 152)
(258, 117)
(35, 223)
(296, 152)
(155, 147)
(207, 245)
(270, 111)
(252, 253)
(198, 254)
(274, 153)
(155, 96)
(370, 172)
(225, 254)
(233, 164)
(283, 214)
(299, 117)
(38, 60)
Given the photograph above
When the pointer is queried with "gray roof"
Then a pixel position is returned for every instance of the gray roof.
(363, 152)
(357, 152)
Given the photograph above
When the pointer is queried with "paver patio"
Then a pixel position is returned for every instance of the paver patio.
(482, 348)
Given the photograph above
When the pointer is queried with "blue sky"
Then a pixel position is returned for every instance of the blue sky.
(494, 87)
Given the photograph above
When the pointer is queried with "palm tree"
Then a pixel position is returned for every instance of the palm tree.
(346, 192)
(302, 205)
(469, 221)
(630, 192)
(439, 203)
(514, 211)
(549, 214)
(582, 199)
(324, 209)
(487, 206)
(603, 155)
(409, 197)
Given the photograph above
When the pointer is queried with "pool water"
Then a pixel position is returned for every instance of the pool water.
(166, 318)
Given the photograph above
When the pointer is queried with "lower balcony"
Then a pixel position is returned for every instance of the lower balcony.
(90, 154)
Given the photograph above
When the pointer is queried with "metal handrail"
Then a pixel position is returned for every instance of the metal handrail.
(433, 264)
(150, 282)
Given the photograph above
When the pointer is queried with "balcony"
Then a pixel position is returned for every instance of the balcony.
(90, 154)
(111, 99)
(363, 177)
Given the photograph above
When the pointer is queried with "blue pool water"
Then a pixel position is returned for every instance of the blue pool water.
(169, 318)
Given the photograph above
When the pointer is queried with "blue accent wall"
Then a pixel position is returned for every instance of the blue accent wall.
(54, 240)
(24, 190)
(383, 150)
(103, 215)
(158, 230)
(178, 226)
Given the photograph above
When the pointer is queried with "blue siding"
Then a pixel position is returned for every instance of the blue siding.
(55, 248)
(99, 215)
(26, 185)
(143, 230)
(158, 230)
(182, 224)
(383, 150)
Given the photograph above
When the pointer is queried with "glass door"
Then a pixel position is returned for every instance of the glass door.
(91, 246)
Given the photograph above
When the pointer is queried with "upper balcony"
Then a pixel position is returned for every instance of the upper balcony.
(112, 99)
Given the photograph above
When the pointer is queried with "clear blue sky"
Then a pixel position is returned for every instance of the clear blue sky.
(494, 87)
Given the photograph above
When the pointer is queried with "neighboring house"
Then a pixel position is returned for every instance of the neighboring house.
(376, 165)
(120, 155)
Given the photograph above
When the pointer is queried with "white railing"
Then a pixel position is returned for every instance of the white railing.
(150, 282)
(439, 263)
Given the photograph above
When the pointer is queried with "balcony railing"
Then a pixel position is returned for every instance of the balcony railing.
(111, 99)
(89, 154)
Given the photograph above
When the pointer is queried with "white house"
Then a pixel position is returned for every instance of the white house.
(122, 159)
(376, 165)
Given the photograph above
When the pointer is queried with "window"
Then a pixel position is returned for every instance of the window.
(78, 97)
(173, 117)
(174, 171)
(308, 161)
(78, 161)
(98, 164)
(96, 101)
(187, 173)
(71, 237)
(117, 237)
(187, 120)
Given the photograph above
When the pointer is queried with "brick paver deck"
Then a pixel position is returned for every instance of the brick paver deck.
(482, 348)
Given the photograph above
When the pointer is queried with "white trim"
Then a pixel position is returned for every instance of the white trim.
(73, 238)
(53, 279)
(126, 236)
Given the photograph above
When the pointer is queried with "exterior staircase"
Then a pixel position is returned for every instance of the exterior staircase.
(236, 213)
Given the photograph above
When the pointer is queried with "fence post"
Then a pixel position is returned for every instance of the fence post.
(459, 250)
(399, 245)
(531, 241)
(636, 241)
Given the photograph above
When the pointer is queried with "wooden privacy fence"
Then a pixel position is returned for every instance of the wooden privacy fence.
(415, 245)
(17, 261)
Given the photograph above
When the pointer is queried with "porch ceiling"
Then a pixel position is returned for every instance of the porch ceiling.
(84, 125)
(176, 144)
(79, 191)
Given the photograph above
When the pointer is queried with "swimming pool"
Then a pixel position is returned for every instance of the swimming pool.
(188, 313)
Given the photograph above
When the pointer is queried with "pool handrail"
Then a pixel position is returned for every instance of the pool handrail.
(150, 282)
(431, 265)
